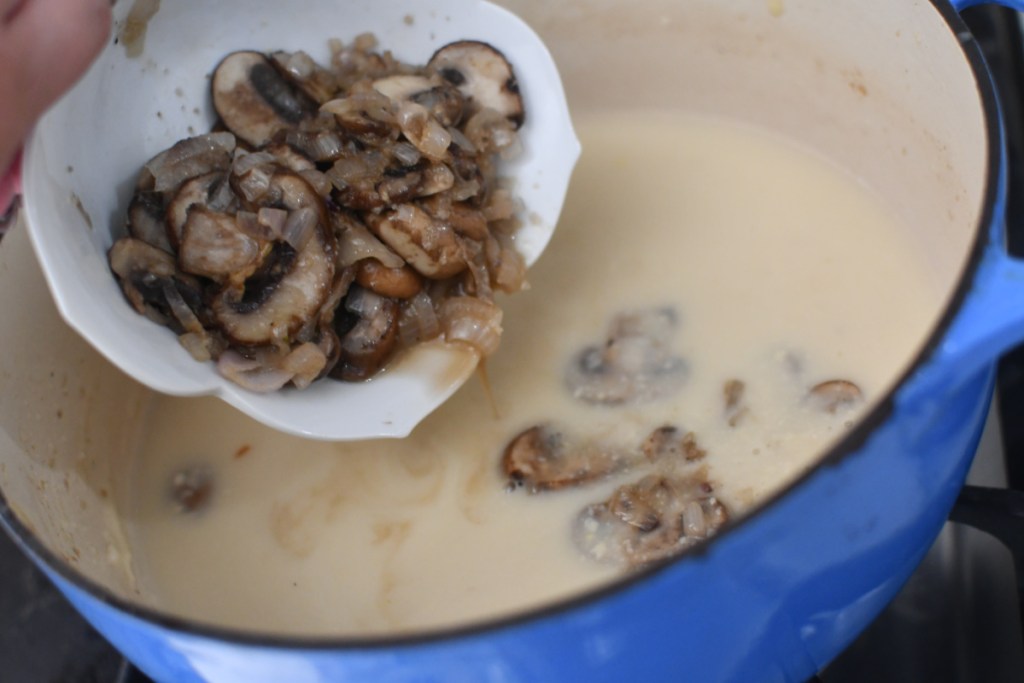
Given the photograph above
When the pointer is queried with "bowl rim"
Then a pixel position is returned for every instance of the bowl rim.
(851, 443)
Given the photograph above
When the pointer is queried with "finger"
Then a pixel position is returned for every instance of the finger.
(46, 46)
(9, 9)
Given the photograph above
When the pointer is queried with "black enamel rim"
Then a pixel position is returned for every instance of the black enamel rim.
(850, 444)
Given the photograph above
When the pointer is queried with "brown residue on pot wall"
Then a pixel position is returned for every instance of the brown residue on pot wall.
(855, 79)
(132, 34)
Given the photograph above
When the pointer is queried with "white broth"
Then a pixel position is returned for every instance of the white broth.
(783, 272)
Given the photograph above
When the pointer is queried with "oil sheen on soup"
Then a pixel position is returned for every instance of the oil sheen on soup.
(716, 307)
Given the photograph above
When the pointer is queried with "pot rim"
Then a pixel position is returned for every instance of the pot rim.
(847, 446)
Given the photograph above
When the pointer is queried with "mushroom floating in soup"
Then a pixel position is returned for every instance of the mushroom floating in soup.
(347, 212)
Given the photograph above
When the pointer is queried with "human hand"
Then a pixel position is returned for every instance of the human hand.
(45, 45)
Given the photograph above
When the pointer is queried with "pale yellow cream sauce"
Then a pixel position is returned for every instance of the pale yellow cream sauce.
(785, 272)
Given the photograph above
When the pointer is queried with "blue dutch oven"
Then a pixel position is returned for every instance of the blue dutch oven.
(896, 91)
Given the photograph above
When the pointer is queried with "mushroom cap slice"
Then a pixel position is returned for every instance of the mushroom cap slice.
(483, 76)
(429, 246)
(146, 219)
(254, 100)
(210, 190)
(291, 286)
(371, 336)
(213, 246)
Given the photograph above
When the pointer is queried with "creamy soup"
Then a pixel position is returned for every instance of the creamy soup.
(776, 271)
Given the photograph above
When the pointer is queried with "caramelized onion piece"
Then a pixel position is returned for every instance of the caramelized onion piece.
(357, 243)
(473, 322)
(189, 158)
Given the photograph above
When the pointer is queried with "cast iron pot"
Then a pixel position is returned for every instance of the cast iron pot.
(897, 92)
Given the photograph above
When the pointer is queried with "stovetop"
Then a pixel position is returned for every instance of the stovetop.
(958, 619)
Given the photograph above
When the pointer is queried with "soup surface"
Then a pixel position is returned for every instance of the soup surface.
(778, 271)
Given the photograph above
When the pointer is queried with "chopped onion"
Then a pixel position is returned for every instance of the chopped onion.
(506, 264)
(406, 154)
(436, 178)
(304, 363)
(324, 146)
(298, 64)
(195, 343)
(460, 140)
(246, 161)
(273, 220)
(252, 374)
(471, 321)
(500, 205)
(423, 130)
(248, 224)
(254, 176)
(473, 253)
(184, 314)
(694, 523)
(358, 243)
(418, 321)
(299, 227)
(320, 182)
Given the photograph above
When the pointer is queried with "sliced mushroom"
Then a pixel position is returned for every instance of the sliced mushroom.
(542, 458)
(669, 443)
(210, 191)
(254, 100)
(192, 489)
(213, 246)
(146, 219)
(836, 395)
(652, 519)
(396, 283)
(635, 364)
(429, 246)
(369, 334)
(291, 285)
(153, 285)
(482, 75)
